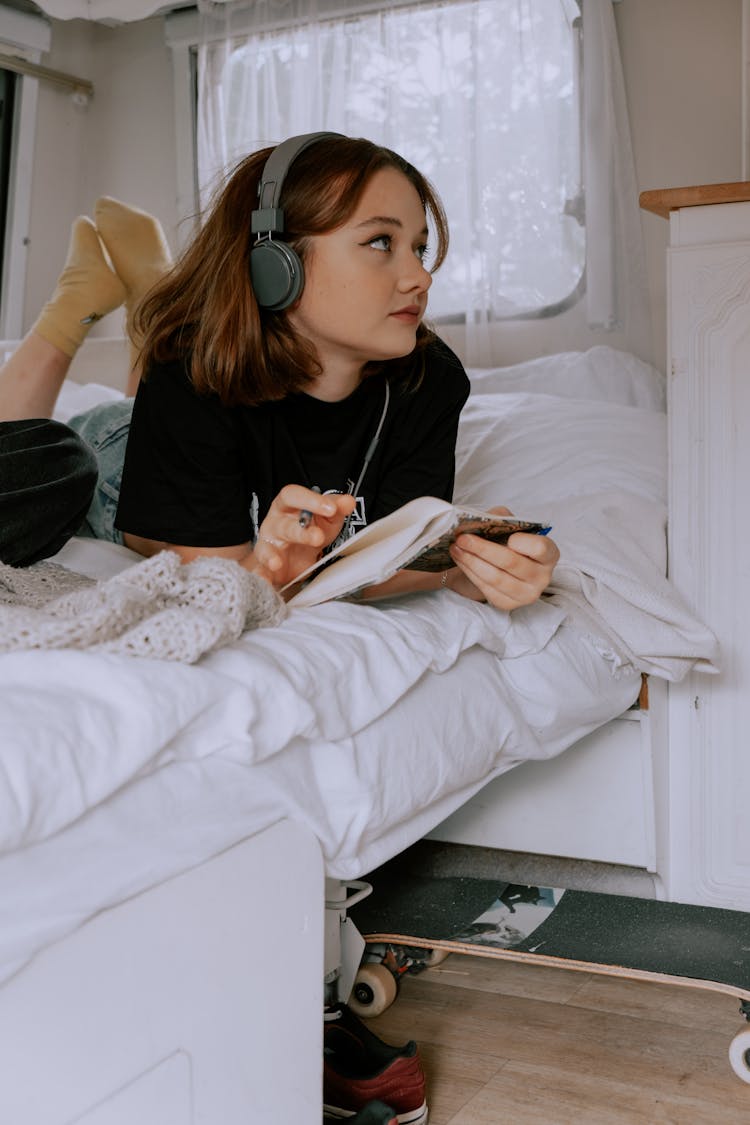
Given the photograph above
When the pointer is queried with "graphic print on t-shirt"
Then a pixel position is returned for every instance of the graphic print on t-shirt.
(357, 520)
(254, 510)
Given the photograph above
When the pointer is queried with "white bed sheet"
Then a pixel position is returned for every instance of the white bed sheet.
(369, 724)
(165, 793)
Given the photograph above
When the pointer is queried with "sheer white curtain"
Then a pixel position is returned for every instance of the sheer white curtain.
(616, 283)
(501, 143)
(257, 88)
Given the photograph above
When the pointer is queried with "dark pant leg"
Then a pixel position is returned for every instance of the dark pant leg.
(47, 478)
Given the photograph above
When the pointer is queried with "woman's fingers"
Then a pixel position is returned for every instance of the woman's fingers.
(288, 544)
(268, 552)
(294, 499)
(303, 516)
(509, 575)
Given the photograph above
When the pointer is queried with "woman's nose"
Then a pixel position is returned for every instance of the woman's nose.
(415, 277)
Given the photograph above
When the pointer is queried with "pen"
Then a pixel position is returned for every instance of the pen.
(305, 516)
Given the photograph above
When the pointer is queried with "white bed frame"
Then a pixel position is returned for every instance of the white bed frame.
(200, 1000)
(196, 1003)
(598, 801)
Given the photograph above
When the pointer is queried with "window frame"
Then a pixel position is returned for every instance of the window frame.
(27, 37)
(8, 92)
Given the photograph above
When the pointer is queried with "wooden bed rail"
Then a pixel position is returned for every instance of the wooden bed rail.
(642, 701)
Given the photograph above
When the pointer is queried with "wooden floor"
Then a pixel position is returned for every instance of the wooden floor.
(529, 1045)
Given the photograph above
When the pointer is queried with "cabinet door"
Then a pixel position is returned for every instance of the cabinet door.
(708, 846)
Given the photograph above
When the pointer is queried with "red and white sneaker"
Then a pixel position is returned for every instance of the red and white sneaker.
(358, 1068)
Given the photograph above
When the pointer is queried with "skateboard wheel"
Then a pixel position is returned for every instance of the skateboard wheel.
(739, 1055)
(374, 990)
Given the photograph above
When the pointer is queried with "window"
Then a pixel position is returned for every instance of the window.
(481, 95)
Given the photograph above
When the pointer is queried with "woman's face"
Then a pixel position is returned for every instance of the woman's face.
(365, 287)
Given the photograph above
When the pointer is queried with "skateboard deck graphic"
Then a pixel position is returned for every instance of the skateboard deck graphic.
(411, 921)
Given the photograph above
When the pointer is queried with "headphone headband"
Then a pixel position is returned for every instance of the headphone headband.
(268, 218)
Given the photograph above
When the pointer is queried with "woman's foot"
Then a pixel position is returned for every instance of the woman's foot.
(139, 251)
(86, 290)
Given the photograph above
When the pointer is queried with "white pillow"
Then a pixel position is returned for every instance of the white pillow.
(600, 373)
(528, 451)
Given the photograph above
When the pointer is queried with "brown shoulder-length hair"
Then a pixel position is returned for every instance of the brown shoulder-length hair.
(205, 310)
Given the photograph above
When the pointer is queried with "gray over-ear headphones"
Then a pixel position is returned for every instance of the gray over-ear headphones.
(275, 269)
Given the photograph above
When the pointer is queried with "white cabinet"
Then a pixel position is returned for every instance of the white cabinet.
(703, 800)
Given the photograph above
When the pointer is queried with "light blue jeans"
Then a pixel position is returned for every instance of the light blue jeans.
(105, 428)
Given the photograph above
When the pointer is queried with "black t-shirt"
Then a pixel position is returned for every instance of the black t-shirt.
(201, 474)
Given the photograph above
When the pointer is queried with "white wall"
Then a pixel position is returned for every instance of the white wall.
(682, 63)
(683, 76)
(121, 144)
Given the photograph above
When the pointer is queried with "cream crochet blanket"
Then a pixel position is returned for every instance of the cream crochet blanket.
(159, 608)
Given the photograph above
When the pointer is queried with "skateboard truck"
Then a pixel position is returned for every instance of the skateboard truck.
(344, 945)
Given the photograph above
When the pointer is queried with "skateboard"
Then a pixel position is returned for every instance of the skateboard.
(412, 922)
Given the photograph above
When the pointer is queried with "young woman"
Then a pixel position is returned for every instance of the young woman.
(252, 411)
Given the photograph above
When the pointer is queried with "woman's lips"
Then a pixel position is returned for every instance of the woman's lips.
(410, 315)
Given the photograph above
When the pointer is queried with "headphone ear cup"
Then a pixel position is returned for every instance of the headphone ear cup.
(276, 274)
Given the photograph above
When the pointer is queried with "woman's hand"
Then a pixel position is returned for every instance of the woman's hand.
(505, 575)
(285, 547)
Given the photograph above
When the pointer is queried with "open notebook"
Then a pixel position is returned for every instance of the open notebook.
(414, 537)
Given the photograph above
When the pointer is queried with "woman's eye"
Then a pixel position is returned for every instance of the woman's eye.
(382, 242)
(422, 252)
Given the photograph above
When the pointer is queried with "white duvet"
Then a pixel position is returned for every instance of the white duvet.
(370, 724)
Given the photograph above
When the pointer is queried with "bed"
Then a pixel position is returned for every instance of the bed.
(167, 827)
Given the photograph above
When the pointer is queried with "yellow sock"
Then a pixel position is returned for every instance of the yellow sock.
(86, 290)
(139, 251)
